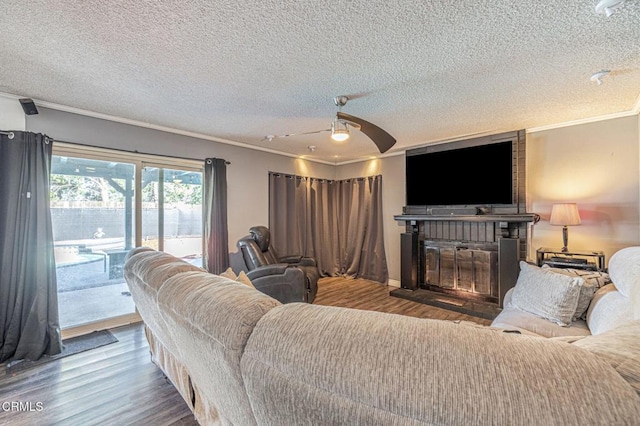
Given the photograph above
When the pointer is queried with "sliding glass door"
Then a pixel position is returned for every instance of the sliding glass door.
(104, 203)
(172, 212)
(92, 210)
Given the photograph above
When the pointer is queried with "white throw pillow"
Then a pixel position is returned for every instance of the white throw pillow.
(609, 309)
(624, 269)
(547, 294)
(593, 280)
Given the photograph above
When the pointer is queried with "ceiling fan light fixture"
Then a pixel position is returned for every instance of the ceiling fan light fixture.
(339, 130)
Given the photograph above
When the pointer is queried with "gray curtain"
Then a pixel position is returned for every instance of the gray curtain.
(29, 325)
(339, 223)
(303, 219)
(216, 234)
(360, 229)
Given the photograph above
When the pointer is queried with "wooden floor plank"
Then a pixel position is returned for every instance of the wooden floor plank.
(367, 295)
(118, 384)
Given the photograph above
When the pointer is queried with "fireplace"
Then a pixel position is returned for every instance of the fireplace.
(466, 226)
(468, 270)
(462, 262)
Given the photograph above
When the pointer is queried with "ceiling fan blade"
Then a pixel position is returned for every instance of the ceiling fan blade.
(305, 133)
(383, 140)
(272, 137)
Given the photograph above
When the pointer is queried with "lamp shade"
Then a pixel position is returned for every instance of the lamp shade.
(565, 214)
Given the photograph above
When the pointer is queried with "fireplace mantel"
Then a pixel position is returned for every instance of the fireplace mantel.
(469, 255)
(510, 218)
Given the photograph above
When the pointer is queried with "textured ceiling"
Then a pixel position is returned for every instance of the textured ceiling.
(239, 70)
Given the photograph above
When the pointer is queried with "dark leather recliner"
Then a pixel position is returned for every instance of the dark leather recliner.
(259, 255)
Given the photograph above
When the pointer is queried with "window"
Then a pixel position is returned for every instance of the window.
(172, 212)
(104, 203)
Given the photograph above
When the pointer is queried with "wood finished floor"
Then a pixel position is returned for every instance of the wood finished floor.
(118, 384)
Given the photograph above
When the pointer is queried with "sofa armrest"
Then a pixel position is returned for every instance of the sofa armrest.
(298, 260)
(507, 297)
(308, 261)
(263, 271)
(283, 282)
(290, 259)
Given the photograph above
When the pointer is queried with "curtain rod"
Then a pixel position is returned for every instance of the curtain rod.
(134, 151)
(11, 135)
(290, 176)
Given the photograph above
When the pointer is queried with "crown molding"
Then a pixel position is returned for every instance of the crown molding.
(629, 113)
(116, 119)
(10, 96)
(634, 111)
(401, 151)
(371, 157)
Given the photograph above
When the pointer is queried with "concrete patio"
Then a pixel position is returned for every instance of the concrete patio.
(92, 288)
(88, 305)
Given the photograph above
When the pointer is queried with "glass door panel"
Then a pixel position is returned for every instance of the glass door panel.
(172, 212)
(92, 210)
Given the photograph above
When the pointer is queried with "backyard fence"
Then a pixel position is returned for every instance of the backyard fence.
(84, 222)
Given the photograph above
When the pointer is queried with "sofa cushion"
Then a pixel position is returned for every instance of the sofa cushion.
(514, 319)
(210, 319)
(547, 294)
(241, 278)
(244, 279)
(593, 280)
(146, 271)
(229, 274)
(319, 365)
(608, 310)
(153, 268)
(621, 348)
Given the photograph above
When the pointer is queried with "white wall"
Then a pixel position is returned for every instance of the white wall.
(247, 175)
(11, 114)
(595, 165)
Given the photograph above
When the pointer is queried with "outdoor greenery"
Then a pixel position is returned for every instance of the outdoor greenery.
(81, 188)
(88, 188)
(174, 193)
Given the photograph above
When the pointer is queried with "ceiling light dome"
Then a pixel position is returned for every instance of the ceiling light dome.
(339, 130)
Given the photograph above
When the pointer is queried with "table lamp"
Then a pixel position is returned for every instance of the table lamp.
(565, 214)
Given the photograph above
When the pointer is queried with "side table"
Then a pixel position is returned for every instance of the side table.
(576, 259)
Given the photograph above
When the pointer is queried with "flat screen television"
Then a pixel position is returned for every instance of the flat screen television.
(472, 176)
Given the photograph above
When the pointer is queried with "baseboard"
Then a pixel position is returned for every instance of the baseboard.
(101, 325)
(393, 283)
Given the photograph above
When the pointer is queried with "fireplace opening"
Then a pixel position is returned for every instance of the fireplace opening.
(463, 270)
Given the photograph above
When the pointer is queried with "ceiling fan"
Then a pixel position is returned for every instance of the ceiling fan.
(340, 128)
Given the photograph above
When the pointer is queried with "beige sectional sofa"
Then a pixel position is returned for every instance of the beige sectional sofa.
(240, 357)
(595, 302)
